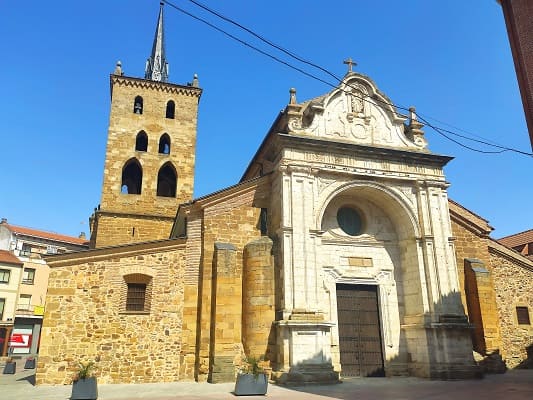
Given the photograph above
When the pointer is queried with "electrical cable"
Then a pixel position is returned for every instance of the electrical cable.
(439, 130)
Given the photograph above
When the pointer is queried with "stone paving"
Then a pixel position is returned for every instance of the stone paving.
(513, 385)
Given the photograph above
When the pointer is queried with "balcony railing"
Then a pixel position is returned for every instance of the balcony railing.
(24, 309)
(28, 309)
(28, 281)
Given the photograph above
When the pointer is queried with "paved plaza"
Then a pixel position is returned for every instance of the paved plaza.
(513, 385)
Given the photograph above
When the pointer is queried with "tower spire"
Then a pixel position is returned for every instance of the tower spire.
(156, 66)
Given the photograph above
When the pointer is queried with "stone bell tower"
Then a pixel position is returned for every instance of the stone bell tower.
(149, 164)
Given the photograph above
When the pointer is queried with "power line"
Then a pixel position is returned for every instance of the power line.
(441, 131)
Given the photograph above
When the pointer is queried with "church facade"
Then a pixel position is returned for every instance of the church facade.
(337, 254)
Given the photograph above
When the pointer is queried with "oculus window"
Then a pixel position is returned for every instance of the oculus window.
(350, 221)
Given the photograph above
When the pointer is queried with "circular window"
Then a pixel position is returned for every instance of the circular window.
(350, 221)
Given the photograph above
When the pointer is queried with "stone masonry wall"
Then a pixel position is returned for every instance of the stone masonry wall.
(233, 221)
(116, 229)
(514, 288)
(258, 298)
(124, 126)
(470, 245)
(85, 317)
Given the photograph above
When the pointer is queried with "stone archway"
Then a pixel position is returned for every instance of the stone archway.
(380, 254)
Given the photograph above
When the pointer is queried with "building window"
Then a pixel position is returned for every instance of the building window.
(26, 250)
(166, 181)
(28, 276)
(138, 105)
(164, 144)
(141, 142)
(170, 109)
(24, 302)
(138, 288)
(136, 297)
(132, 176)
(522, 315)
(51, 249)
(4, 275)
(2, 305)
(349, 221)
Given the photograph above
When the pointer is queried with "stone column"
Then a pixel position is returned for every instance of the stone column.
(443, 326)
(258, 297)
(482, 308)
(226, 314)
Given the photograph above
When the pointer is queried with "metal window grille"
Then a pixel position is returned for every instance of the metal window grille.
(522, 314)
(136, 297)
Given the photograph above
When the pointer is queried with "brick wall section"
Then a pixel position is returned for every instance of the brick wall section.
(85, 317)
(124, 125)
(519, 21)
(514, 287)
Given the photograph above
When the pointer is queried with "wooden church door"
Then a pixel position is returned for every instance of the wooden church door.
(359, 330)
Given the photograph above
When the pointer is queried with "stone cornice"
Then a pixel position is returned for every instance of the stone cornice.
(135, 215)
(154, 85)
(126, 250)
(383, 153)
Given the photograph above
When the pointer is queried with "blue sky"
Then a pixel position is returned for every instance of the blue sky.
(451, 59)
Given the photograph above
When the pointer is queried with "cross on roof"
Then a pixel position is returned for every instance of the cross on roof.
(350, 63)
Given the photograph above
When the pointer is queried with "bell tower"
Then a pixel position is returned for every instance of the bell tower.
(150, 154)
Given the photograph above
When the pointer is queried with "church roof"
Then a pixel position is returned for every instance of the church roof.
(156, 66)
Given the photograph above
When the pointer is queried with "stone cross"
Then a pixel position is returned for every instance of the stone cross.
(350, 63)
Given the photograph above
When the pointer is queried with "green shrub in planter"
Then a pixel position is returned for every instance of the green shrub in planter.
(251, 378)
(84, 384)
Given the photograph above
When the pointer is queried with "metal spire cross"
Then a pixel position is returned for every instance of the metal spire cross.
(350, 64)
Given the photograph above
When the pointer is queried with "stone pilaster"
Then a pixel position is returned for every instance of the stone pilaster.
(226, 314)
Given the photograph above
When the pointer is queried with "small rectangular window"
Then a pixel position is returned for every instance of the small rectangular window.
(4, 275)
(2, 304)
(136, 297)
(26, 250)
(24, 302)
(522, 315)
(28, 276)
(51, 249)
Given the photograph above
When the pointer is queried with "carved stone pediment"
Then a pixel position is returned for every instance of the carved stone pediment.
(354, 112)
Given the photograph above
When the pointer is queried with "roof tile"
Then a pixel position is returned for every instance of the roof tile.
(47, 235)
(9, 258)
(517, 239)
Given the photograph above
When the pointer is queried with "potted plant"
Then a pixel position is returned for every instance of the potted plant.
(10, 367)
(251, 378)
(84, 385)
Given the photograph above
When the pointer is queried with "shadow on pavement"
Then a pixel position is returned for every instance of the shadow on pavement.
(30, 379)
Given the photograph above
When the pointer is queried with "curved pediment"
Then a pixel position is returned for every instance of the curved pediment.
(354, 112)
